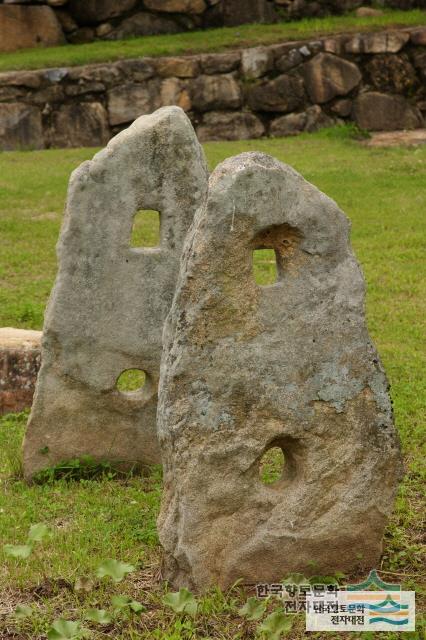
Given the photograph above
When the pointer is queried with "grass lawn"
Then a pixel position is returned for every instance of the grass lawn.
(383, 191)
(203, 41)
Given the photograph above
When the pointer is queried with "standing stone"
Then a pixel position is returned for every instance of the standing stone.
(107, 308)
(289, 365)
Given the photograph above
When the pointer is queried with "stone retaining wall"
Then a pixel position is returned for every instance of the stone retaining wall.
(27, 23)
(377, 80)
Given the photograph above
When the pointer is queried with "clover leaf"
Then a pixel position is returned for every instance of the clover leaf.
(114, 569)
(181, 601)
(38, 532)
(20, 551)
(253, 609)
(98, 615)
(276, 625)
(23, 611)
(67, 630)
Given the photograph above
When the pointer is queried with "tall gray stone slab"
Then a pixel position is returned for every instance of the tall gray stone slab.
(246, 368)
(109, 302)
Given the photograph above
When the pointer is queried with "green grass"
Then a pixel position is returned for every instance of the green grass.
(383, 191)
(202, 41)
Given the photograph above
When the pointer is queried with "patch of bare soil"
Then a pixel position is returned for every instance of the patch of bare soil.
(396, 138)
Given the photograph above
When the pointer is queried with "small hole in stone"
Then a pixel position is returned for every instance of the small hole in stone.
(265, 266)
(131, 380)
(146, 229)
(272, 465)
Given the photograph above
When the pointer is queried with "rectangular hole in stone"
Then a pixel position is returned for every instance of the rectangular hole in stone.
(146, 229)
(265, 266)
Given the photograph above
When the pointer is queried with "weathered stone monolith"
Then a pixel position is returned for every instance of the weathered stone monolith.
(289, 365)
(109, 302)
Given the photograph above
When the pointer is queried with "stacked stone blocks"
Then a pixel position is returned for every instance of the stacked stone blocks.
(376, 80)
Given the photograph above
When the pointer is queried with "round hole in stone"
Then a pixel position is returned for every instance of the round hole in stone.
(271, 466)
(131, 380)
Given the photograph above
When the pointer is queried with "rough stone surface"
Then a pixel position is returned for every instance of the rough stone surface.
(184, 67)
(289, 60)
(66, 21)
(137, 70)
(19, 365)
(79, 125)
(342, 107)
(95, 11)
(216, 92)
(391, 73)
(220, 62)
(130, 101)
(418, 37)
(382, 112)
(30, 79)
(22, 27)
(176, 6)
(237, 12)
(104, 29)
(368, 12)
(256, 62)
(310, 120)
(284, 93)
(143, 24)
(82, 35)
(230, 126)
(384, 42)
(174, 92)
(419, 60)
(333, 45)
(20, 127)
(107, 308)
(291, 365)
(328, 76)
